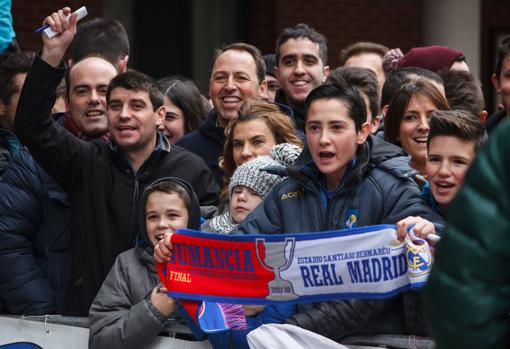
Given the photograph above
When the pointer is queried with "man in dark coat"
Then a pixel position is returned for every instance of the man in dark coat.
(35, 217)
(238, 75)
(104, 181)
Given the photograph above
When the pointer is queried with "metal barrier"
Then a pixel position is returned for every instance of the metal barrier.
(391, 341)
(178, 330)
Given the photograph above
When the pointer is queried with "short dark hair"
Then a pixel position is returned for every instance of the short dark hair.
(503, 52)
(400, 101)
(103, 36)
(400, 77)
(456, 123)
(349, 95)
(252, 50)
(136, 81)
(11, 64)
(185, 94)
(270, 60)
(169, 187)
(463, 91)
(362, 78)
(362, 47)
(302, 30)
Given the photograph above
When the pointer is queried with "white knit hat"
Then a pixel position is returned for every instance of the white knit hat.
(250, 175)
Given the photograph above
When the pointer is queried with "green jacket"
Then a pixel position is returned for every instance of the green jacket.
(467, 298)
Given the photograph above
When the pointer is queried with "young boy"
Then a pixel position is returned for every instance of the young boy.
(131, 308)
(353, 179)
(454, 138)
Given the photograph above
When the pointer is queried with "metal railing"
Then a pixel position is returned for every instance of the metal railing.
(176, 329)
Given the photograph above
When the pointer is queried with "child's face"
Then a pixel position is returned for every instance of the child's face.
(448, 161)
(165, 213)
(332, 138)
(243, 201)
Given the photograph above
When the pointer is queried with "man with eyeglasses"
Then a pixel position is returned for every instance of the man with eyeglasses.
(238, 75)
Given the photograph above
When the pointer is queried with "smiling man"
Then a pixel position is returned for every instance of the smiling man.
(34, 211)
(238, 75)
(301, 57)
(103, 180)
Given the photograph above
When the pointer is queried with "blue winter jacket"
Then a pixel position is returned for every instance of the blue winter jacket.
(9, 145)
(376, 189)
(35, 230)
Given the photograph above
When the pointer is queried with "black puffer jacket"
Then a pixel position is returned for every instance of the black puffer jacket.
(378, 189)
(35, 226)
(9, 145)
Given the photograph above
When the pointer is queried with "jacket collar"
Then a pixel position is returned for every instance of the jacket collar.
(298, 111)
(9, 140)
(211, 129)
(162, 146)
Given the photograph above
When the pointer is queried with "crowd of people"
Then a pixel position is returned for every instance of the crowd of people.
(91, 189)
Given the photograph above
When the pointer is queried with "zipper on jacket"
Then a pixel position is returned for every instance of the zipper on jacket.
(135, 193)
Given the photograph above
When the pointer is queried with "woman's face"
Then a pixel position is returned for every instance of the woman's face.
(251, 139)
(414, 129)
(173, 125)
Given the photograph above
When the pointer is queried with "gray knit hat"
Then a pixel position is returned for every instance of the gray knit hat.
(250, 175)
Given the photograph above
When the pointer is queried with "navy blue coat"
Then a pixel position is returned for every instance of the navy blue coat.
(207, 142)
(35, 230)
(377, 189)
(9, 145)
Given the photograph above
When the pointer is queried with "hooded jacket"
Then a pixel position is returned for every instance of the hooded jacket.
(122, 314)
(103, 187)
(377, 189)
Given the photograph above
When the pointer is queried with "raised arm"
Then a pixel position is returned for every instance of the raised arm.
(55, 149)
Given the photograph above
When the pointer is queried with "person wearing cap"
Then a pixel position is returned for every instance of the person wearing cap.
(434, 58)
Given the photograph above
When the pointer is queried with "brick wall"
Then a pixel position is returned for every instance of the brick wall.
(28, 15)
(394, 23)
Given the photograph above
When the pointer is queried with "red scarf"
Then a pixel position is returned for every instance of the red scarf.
(71, 126)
